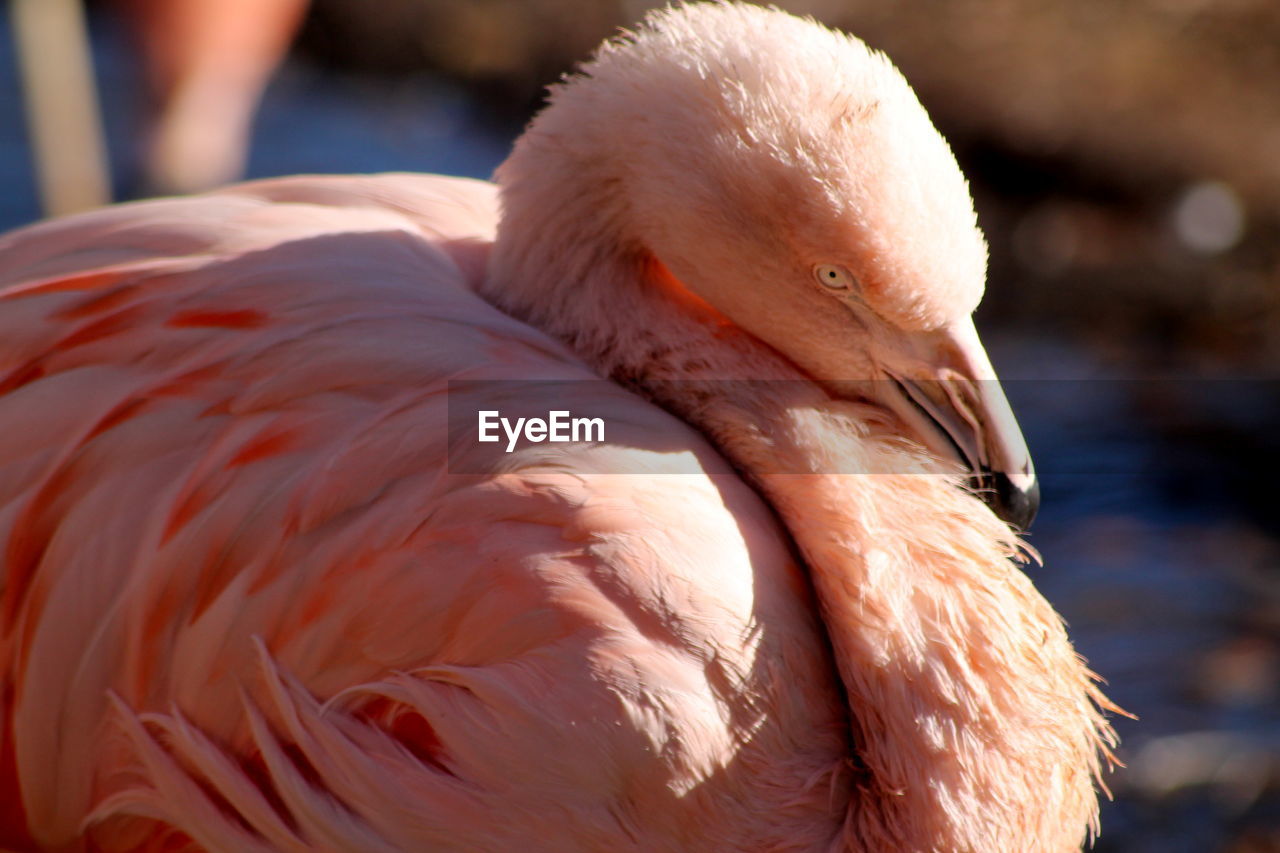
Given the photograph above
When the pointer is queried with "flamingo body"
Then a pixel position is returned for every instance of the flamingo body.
(263, 590)
(226, 427)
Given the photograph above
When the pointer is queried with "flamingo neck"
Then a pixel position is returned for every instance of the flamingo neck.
(971, 719)
(973, 723)
(969, 713)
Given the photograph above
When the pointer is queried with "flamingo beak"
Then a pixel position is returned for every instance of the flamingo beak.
(948, 395)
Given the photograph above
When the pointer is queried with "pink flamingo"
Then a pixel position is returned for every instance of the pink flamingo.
(248, 606)
(208, 62)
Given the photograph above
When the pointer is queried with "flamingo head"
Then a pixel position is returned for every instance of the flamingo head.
(787, 175)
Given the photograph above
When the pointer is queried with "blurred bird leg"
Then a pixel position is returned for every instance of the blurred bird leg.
(207, 63)
(62, 107)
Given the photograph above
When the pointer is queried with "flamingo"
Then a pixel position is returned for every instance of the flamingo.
(265, 589)
(207, 63)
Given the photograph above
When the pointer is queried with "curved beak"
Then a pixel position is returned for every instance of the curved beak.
(947, 394)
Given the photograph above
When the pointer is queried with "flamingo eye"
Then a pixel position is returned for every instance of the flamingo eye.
(833, 277)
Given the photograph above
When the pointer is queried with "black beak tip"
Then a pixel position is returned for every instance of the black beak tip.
(1014, 505)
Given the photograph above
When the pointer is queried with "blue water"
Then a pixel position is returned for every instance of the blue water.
(17, 186)
(310, 121)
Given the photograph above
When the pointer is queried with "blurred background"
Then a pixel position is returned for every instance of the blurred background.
(1125, 156)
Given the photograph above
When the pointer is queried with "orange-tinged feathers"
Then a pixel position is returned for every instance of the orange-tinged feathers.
(192, 502)
(261, 593)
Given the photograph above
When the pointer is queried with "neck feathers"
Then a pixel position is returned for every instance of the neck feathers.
(971, 714)
(974, 724)
(973, 721)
